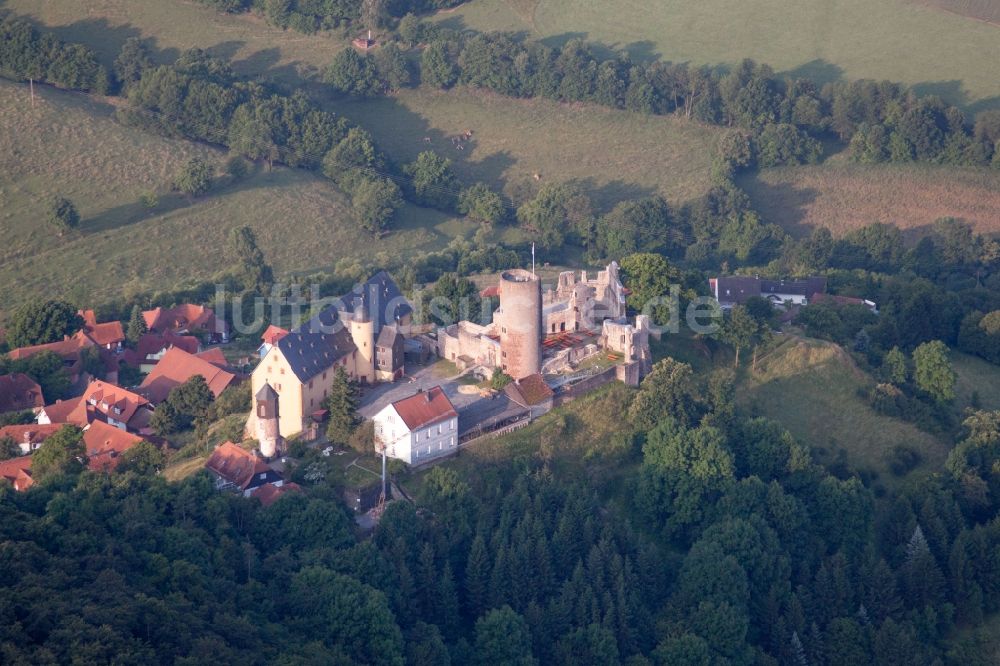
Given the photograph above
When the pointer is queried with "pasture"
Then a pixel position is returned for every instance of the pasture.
(843, 196)
(811, 388)
(909, 41)
(70, 145)
(617, 154)
(171, 26)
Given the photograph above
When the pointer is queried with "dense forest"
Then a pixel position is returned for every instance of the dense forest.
(727, 545)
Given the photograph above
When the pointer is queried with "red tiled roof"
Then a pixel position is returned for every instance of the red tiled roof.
(73, 410)
(68, 349)
(215, 357)
(491, 291)
(234, 464)
(838, 300)
(425, 408)
(31, 434)
(186, 316)
(269, 493)
(529, 391)
(153, 343)
(121, 404)
(105, 443)
(18, 391)
(18, 472)
(176, 367)
(273, 334)
(108, 333)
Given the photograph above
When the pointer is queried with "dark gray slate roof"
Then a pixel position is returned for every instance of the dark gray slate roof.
(379, 298)
(266, 393)
(387, 338)
(311, 353)
(739, 288)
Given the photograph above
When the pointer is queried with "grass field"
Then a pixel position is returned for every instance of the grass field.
(846, 196)
(580, 439)
(172, 26)
(619, 154)
(976, 376)
(899, 40)
(811, 388)
(70, 145)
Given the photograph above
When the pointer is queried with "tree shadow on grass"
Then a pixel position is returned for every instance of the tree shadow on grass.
(954, 92)
(819, 71)
(135, 212)
(780, 203)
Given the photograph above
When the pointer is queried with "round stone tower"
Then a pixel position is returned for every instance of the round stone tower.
(362, 330)
(266, 411)
(520, 323)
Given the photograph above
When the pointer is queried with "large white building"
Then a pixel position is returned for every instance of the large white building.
(418, 429)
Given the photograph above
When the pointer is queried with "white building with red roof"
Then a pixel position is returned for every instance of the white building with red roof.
(418, 429)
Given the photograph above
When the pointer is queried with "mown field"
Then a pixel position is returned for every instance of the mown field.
(846, 196)
(900, 40)
(70, 145)
(619, 155)
(171, 26)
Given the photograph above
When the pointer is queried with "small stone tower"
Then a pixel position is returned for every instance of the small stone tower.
(266, 412)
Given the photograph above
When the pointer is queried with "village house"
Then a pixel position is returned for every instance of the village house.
(102, 401)
(108, 335)
(418, 429)
(299, 365)
(738, 289)
(29, 437)
(834, 299)
(105, 444)
(187, 319)
(17, 472)
(151, 347)
(270, 493)
(178, 366)
(239, 470)
(269, 338)
(19, 392)
(532, 393)
(69, 349)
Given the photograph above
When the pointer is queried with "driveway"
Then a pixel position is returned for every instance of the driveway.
(472, 408)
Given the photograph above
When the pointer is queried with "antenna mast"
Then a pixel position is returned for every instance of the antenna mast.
(532, 258)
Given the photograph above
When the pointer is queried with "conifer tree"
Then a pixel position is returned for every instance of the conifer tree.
(136, 326)
(342, 406)
(924, 581)
(477, 578)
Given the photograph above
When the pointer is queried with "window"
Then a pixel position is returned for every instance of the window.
(263, 476)
(282, 371)
(310, 383)
(324, 377)
(439, 428)
(453, 424)
(310, 402)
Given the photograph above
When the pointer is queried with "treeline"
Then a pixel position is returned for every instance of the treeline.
(25, 54)
(309, 16)
(781, 120)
